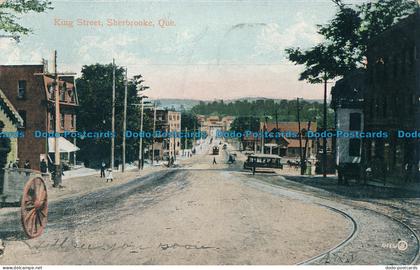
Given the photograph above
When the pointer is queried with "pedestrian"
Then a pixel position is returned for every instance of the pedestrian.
(117, 164)
(103, 165)
(5, 148)
(27, 166)
(16, 164)
(43, 166)
(214, 160)
(109, 177)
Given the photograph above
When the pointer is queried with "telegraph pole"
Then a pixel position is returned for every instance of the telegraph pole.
(57, 117)
(185, 143)
(324, 143)
(300, 138)
(57, 162)
(141, 136)
(113, 115)
(125, 119)
(277, 128)
(153, 135)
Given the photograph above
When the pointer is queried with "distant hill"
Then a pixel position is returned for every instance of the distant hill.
(177, 104)
(188, 104)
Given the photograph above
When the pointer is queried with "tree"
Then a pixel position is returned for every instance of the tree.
(351, 29)
(188, 121)
(243, 124)
(94, 113)
(10, 12)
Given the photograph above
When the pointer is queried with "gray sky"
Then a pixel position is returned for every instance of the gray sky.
(210, 50)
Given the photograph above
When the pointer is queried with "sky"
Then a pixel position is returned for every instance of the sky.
(220, 49)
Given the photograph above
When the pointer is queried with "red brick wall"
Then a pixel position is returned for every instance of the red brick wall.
(29, 148)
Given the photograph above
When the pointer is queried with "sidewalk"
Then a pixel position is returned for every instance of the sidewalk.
(86, 180)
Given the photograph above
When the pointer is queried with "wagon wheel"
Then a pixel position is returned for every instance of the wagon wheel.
(34, 207)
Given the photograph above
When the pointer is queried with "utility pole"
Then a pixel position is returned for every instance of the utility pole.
(324, 144)
(154, 130)
(141, 136)
(277, 129)
(57, 117)
(194, 141)
(185, 143)
(113, 114)
(125, 119)
(262, 139)
(300, 138)
(57, 161)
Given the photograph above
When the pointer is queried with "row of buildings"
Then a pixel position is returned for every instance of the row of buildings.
(27, 105)
(384, 97)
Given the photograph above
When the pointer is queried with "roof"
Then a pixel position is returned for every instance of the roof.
(295, 143)
(288, 126)
(264, 156)
(11, 112)
(349, 91)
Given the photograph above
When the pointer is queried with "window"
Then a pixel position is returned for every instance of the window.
(63, 93)
(354, 147)
(73, 120)
(62, 120)
(21, 89)
(385, 107)
(355, 121)
(72, 95)
(52, 121)
(23, 115)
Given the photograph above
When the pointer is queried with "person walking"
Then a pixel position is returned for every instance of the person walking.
(5, 148)
(214, 161)
(109, 177)
(43, 166)
(27, 165)
(103, 165)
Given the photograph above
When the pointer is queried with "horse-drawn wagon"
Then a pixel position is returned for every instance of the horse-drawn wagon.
(26, 188)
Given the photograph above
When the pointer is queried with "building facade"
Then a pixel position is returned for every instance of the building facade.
(165, 147)
(12, 124)
(392, 100)
(30, 90)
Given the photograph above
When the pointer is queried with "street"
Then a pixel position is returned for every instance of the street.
(199, 213)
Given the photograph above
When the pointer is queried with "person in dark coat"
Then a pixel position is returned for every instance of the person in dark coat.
(103, 167)
(5, 148)
(43, 166)
(27, 166)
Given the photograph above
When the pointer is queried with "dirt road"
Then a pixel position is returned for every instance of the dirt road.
(201, 213)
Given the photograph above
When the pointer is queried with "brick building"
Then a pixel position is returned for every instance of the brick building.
(31, 93)
(166, 121)
(392, 99)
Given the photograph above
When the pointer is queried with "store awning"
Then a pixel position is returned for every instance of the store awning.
(64, 145)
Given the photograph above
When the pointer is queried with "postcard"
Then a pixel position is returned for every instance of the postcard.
(209, 133)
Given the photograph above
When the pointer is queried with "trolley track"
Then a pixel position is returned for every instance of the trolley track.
(355, 226)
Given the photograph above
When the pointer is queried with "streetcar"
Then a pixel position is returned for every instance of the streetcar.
(263, 163)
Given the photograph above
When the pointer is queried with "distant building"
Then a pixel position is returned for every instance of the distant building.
(32, 95)
(212, 124)
(166, 121)
(287, 146)
(393, 98)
